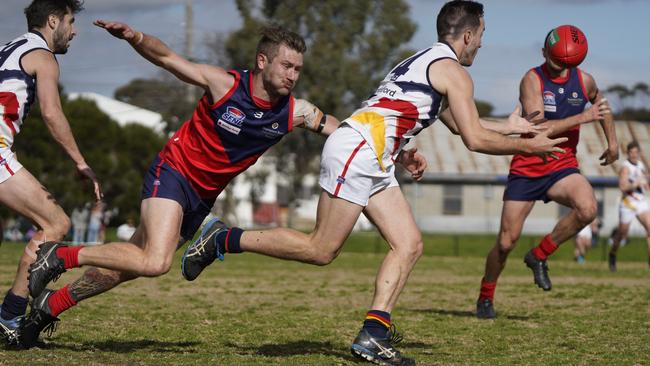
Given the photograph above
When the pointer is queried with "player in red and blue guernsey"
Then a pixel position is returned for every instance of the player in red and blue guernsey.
(240, 116)
(561, 93)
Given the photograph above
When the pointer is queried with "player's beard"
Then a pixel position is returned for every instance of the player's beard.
(60, 42)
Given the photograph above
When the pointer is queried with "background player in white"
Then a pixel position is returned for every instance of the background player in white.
(28, 68)
(584, 239)
(633, 183)
(358, 172)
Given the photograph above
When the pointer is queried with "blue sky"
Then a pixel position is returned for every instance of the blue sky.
(619, 46)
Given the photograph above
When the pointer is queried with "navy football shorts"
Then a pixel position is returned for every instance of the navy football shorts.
(523, 188)
(162, 181)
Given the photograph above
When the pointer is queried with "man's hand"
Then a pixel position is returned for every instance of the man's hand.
(119, 30)
(88, 173)
(526, 124)
(597, 111)
(413, 162)
(609, 156)
(541, 144)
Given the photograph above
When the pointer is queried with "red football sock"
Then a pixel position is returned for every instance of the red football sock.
(60, 301)
(70, 256)
(487, 290)
(545, 248)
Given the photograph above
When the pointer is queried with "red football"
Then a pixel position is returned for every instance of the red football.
(567, 45)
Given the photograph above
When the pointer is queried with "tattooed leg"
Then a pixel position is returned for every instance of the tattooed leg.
(96, 281)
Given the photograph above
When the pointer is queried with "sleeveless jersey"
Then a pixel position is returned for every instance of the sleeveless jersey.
(563, 97)
(635, 173)
(17, 88)
(402, 106)
(224, 138)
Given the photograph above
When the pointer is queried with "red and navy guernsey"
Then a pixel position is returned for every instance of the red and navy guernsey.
(224, 138)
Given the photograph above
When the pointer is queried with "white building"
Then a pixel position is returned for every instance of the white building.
(123, 113)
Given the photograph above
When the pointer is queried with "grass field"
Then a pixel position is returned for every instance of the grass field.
(252, 310)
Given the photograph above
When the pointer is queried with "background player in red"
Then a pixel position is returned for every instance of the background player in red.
(240, 116)
(561, 92)
(28, 69)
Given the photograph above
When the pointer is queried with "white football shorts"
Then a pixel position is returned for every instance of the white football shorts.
(9, 165)
(349, 168)
(631, 207)
(585, 232)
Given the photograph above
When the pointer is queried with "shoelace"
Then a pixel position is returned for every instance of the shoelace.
(51, 328)
(394, 337)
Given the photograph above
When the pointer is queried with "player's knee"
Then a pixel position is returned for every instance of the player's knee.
(58, 228)
(155, 267)
(587, 213)
(507, 241)
(323, 257)
(505, 248)
(411, 250)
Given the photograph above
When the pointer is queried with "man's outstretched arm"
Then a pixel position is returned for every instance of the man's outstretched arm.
(208, 77)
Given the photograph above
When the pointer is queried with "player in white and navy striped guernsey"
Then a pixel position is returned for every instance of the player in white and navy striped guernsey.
(28, 69)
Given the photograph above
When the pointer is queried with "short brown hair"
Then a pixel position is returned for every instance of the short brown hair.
(456, 17)
(274, 36)
(38, 11)
(633, 144)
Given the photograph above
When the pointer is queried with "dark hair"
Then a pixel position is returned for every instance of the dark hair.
(633, 144)
(38, 11)
(274, 36)
(457, 16)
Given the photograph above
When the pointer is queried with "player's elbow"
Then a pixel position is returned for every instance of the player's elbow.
(472, 142)
(50, 114)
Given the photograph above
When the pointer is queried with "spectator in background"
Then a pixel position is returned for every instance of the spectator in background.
(95, 223)
(126, 230)
(79, 220)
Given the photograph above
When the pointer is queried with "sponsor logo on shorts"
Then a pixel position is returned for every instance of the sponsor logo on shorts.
(340, 179)
(275, 125)
(156, 182)
(228, 127)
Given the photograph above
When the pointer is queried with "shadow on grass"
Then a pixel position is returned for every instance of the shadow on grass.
(465, 314)
(293, 349)
(123, 346)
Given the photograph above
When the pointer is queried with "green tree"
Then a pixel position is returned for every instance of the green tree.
(484, 108)
(119, 156)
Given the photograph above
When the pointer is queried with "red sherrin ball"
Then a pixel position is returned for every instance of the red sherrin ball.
(567, 45)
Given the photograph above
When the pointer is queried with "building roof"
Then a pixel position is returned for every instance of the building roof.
(448, 158)
(123, 113)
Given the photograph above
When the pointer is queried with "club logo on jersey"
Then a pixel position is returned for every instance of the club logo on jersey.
(549, 101)
(233, 116)
(340, 180)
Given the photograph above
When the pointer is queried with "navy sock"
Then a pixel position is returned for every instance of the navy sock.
(13, 306)
(377, 323)
(228, 241)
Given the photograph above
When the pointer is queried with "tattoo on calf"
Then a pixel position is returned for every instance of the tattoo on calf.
(93, 282)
